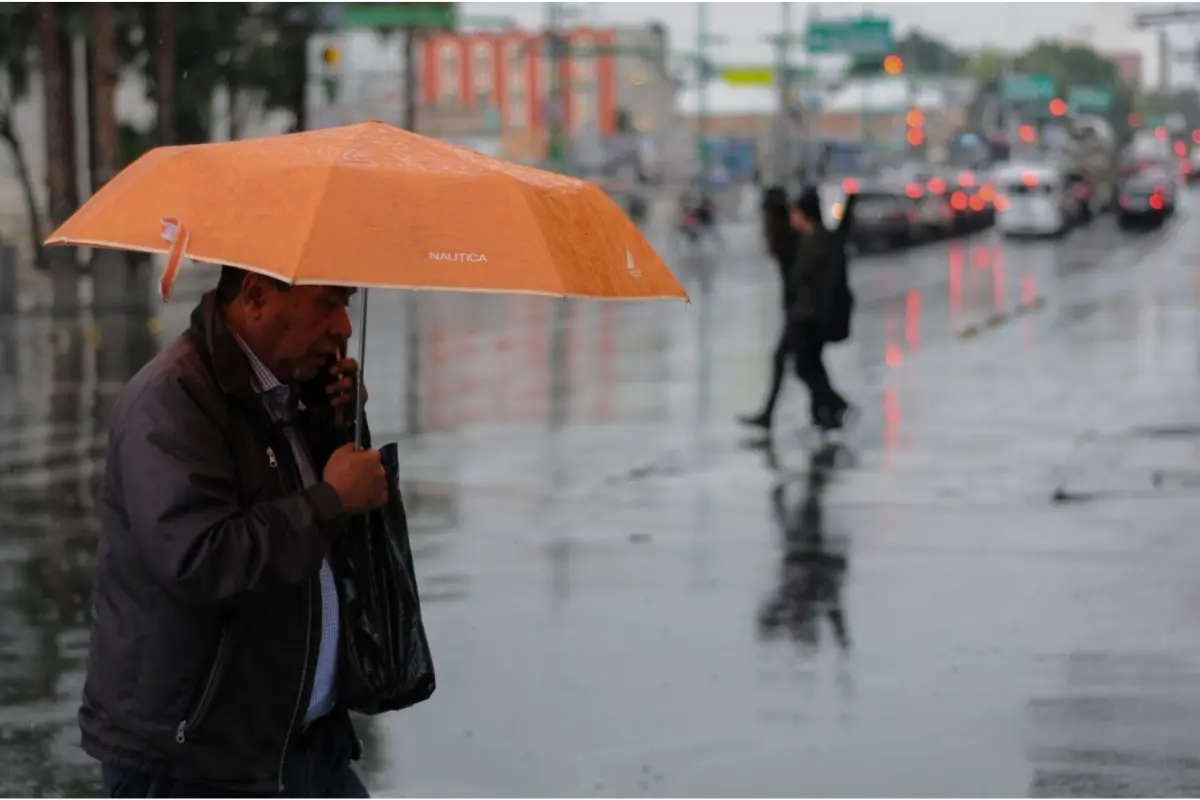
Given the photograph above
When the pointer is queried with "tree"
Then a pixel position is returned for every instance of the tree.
(1076, 65)
(104, 74)
(54, 47)
(162, 55)
(925, 55)
(17, 23)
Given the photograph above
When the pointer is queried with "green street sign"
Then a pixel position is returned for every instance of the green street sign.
(865, 36)
(1027, 88)
(1090, 99)
(398, 15)
(414, 15)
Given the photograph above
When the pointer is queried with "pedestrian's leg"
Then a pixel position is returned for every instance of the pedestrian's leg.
(778, 368)
(808, 370)
(835, 404)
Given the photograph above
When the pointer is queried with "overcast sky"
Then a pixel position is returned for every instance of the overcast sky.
(967, 24)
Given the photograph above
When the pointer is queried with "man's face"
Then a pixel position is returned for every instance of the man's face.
(298, 330)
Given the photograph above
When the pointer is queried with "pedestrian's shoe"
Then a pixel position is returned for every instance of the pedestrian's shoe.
(756, 421)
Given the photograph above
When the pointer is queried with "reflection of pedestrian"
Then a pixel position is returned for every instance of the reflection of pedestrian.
(812, 573)
(213, 668)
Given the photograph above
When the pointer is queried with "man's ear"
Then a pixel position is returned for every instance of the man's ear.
(254, 291)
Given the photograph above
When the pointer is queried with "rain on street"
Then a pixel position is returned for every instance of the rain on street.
(989, 591)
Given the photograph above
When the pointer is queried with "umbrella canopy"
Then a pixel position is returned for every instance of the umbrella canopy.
(370, 205)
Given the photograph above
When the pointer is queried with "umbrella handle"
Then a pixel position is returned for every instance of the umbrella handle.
(362, 367)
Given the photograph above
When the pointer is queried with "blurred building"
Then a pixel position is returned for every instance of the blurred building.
(499, 83)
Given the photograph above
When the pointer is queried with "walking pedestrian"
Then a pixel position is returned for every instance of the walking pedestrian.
(816, 298)
(823, 305)
(214, 662)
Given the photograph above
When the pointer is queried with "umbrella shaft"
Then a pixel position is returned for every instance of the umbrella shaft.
(362, 368)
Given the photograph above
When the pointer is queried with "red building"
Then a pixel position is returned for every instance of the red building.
(509, 71)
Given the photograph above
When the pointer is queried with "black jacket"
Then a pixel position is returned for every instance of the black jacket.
(821, 294)
(207, 608)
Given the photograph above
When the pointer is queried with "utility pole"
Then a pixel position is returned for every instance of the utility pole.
(783, 71)
(702, 40)
(557, 89)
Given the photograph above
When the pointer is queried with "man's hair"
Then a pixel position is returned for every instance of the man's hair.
(229, 286)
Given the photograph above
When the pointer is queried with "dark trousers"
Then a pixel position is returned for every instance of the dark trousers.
(318, 765)
(803, 343)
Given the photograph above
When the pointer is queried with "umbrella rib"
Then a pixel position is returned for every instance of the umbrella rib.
(520, 187)
(316, 211)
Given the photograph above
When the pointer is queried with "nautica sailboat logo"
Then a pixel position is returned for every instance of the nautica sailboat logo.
(458, 258)
(631, 265)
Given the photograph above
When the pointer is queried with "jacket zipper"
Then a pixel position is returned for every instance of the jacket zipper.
(206, 695)
(308, 626)
(287, 739)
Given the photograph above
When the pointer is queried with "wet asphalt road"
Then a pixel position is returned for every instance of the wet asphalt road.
(988, 592)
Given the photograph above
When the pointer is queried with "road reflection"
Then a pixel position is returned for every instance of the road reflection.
(813, 562)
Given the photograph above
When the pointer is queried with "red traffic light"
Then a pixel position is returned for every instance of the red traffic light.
(1058, 107)
(893, 65)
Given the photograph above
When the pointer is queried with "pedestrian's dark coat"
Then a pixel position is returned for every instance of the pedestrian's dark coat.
(822, 297)
(207, 611)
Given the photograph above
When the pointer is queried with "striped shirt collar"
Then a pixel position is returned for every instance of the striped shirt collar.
(264, 380)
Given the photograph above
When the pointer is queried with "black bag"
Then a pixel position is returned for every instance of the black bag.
(387, 662)
(841, 307)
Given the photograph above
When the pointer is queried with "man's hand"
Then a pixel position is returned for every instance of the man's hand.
(358, 478)
(343, 391)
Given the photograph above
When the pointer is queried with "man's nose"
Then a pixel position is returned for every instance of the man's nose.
(341, 327)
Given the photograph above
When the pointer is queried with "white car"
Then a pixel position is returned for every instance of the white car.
(1034, 200)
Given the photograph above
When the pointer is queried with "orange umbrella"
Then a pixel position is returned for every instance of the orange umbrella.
(370, 205)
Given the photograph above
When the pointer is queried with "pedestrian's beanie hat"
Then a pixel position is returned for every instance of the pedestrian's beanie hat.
(809, 204)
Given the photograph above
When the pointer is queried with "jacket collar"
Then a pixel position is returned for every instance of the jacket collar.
(230, 366)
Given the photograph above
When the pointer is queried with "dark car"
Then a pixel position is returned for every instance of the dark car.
(884, 217)
(1147, 196)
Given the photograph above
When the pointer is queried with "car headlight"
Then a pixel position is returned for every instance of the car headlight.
(836, 211)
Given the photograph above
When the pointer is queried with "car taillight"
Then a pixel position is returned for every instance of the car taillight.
(966, 179)
(1124, 201)
(977, 203)
(1156, 201)
(987, 191)
(936, 186)
(958, 201)
(1001, 203)
(914, 191)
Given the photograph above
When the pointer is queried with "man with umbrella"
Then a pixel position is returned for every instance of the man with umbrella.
(213, 668)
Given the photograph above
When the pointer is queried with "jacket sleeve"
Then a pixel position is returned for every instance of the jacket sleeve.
(181, 495)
